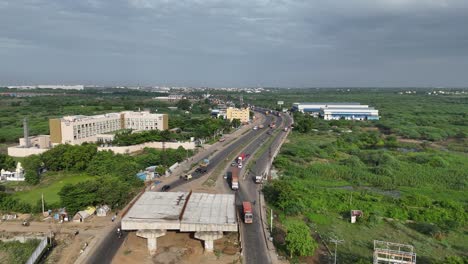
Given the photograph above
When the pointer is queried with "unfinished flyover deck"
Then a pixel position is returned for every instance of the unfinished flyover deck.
(208, 215)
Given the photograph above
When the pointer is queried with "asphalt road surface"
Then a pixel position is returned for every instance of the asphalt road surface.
(255, 249)
(108, 247)
(222, 154)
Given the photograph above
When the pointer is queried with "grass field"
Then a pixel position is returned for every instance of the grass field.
(358, 239)
(50, 187)
(327, 172)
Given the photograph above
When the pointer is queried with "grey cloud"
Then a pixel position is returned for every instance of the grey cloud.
(231, 42)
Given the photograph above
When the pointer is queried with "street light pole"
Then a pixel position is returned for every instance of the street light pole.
(271, 221)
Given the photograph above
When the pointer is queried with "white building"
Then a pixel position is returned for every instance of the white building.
(314, 108)
(171, 97)
(17, 175)
(79, 129)
(335, 111)
(65, 87)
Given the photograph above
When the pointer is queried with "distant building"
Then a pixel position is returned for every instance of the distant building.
(79, 129)
(171, 97)
(38, 142)
(218, 113)
(235, 113)
(336, 111)
(65, 87)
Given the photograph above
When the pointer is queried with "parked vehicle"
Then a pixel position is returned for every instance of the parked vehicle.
(25, 223)
(228, 175)
(222, 139)
(248, 215)
(233, 164)
(239, 166)
(255, 127)
(261, 126)
(165, 188)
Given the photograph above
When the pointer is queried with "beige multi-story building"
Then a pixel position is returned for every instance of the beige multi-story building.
(235, 113)
(79, 129)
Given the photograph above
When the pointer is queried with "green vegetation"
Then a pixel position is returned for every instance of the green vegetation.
(202, 128)
(411, 191)
(63, 172)
(299, 242)
(52, 183)
(39, 109)
(17, 252)
(79, 176)
(6, 162)
(414, 116)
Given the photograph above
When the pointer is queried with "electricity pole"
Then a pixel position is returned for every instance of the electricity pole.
(42, 196)
(271, 221)
(336, 241)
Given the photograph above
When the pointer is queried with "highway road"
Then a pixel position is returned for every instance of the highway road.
(108, 247)
(254, 244)
(110, 244)
(222, 154)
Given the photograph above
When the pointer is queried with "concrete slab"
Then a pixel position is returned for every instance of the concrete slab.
(162, 210)
(155, 210)
(209, 212)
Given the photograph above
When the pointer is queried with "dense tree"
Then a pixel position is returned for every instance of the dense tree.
(10, 204)
(106, 190)
(236, 122)
(184, 104)
(299, 242)
(69, 157)
(6, 162)
(79, 196)
(32, 167)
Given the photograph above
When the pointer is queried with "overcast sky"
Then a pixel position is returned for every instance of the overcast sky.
(301, 43)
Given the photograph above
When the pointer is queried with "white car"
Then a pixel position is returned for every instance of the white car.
(239, 166)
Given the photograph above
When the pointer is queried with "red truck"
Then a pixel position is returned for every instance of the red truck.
(248, 215)
(241, 158)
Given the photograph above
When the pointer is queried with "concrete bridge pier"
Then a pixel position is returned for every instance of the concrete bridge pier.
(151, 235)
(208, 238)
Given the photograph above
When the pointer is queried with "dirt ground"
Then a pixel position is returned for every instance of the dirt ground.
(68, 245)
(176, 247)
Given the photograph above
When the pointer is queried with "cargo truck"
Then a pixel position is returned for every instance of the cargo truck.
(241, 157)
(235, 180)
(248, 215)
